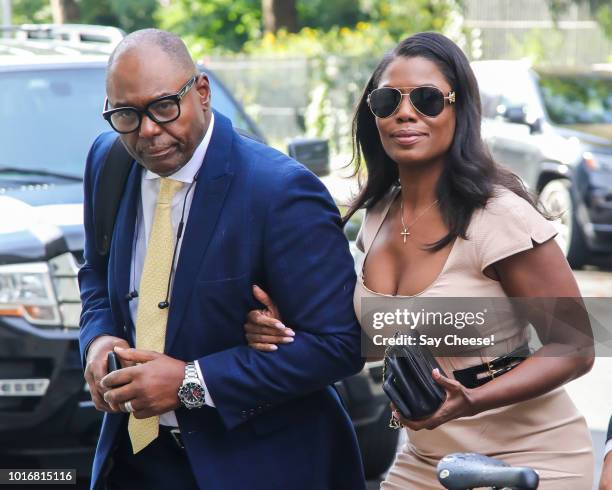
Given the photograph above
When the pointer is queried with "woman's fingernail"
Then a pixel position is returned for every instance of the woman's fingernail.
(289, 332)
(436, 372)
(119, 348)
(279, 325)
(288, 340)
(273, 347)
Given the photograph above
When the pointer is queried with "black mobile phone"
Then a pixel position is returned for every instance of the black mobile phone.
(113, 362)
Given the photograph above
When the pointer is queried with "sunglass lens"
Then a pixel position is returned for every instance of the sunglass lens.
(429, 101)
(384, 101)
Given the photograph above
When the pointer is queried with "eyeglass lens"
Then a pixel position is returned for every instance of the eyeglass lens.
(162, 111)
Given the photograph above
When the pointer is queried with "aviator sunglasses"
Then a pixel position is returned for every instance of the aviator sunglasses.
(426, 100)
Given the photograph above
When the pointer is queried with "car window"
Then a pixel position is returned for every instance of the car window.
(577, 99)
(503, 86)
(49, 118)
(225, 104)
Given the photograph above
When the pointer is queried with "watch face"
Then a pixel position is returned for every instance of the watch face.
(192, 395)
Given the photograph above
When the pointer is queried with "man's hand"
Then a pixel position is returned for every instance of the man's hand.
(605, 483)
(97, 367)
(150, 383)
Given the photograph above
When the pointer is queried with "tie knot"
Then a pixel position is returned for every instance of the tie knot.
(167, 189)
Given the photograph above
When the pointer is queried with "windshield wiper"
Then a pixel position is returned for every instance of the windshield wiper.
(41, 172)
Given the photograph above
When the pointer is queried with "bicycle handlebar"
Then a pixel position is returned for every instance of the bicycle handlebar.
(462, 471)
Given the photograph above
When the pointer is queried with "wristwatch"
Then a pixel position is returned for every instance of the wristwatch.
(191, 392)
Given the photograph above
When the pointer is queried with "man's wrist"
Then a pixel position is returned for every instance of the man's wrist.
(207, 397)
(191, 393)
(92, 341)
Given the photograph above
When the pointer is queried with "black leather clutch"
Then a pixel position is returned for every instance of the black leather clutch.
(408, 382)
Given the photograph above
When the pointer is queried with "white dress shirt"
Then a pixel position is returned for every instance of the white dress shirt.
(149, 190)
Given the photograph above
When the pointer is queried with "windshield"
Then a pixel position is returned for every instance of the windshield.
(577, 99)
(49, 118)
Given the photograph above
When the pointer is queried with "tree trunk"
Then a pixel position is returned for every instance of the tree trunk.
(279, 14)
(65, 11)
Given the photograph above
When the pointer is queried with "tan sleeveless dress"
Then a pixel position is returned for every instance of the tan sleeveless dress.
(546, 433)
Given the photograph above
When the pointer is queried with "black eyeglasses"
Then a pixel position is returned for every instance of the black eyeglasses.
(161, 110)
(427, 100)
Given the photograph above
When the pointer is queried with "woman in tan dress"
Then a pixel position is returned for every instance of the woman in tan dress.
(444, 221)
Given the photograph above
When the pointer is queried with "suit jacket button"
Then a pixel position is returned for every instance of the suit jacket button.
(244, 414)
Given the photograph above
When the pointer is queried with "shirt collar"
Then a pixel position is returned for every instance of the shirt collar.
(188, 171)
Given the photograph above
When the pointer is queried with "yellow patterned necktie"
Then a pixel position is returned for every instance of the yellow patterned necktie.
(150, 319)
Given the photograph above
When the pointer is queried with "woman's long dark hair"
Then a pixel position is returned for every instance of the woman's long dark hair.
(469, 174)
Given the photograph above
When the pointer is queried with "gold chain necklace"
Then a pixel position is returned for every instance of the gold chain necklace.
(405, 233)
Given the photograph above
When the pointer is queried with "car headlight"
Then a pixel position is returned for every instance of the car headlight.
(26, 290)
(598, 161)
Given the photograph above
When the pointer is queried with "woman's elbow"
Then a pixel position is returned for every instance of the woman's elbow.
(584, 364)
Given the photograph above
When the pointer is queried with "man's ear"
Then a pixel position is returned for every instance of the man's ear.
(202, 86)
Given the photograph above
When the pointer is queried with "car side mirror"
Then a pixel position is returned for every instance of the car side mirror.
(518, 115)
(312, 153)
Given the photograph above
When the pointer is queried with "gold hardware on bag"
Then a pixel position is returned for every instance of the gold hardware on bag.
(394, 422)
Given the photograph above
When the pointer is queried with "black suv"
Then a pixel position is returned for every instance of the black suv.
(553, 127)
(50, 112)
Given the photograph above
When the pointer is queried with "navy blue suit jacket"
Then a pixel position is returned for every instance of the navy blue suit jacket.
(257, 217)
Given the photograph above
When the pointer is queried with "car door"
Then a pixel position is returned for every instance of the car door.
(510, 102)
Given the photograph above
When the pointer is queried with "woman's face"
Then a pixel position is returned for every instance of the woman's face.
(408, 137)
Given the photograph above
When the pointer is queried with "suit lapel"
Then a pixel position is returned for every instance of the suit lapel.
(210, 191)
(123, 242)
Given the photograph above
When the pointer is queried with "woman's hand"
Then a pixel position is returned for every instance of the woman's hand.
(458, 404)
(264, 328)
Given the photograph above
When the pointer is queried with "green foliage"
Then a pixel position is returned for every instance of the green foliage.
(601, 10)
(363, 39)
(401, 17)
(537, 45)
(31, 11)
(325, 14)
(129, 16)
(221, 26)
(212, 25)
(604, 17)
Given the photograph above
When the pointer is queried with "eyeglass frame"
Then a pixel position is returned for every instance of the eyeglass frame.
(177, 97)
(450, 97)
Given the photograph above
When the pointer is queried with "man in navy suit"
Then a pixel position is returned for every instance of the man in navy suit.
(243, 419)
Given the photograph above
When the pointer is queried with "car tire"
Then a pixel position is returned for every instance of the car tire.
(556, 198)
(378, 444)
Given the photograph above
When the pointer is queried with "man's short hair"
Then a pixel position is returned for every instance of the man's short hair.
(170, 43)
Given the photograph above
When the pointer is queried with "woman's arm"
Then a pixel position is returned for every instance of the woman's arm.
(559, 317)
(543, 279)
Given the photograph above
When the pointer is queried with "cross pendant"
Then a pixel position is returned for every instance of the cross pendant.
(405, 234)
